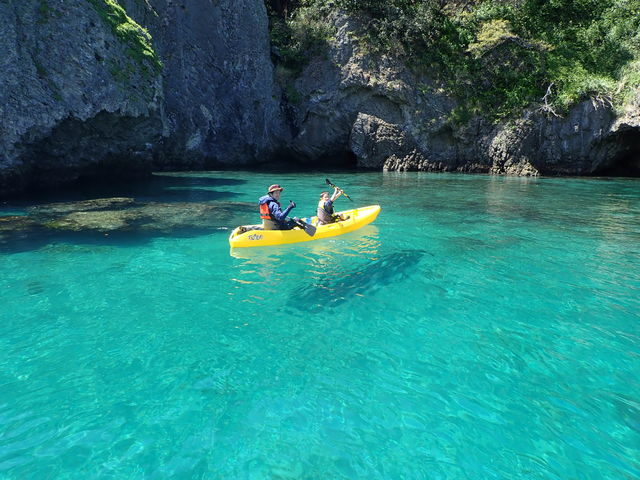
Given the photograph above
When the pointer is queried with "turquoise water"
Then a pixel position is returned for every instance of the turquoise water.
(481, 328)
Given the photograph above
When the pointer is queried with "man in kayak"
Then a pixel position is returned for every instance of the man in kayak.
(325, 207)
(272, 215)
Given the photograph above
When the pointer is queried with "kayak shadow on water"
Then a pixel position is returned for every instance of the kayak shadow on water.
(359, 282)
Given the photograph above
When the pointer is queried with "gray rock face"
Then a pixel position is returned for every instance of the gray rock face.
(221, 103)
(378, 144)
(377, 111)
(72, 99)
(339, 90)
(75, 101)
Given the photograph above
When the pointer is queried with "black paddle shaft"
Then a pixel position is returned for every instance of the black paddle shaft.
(332, 185)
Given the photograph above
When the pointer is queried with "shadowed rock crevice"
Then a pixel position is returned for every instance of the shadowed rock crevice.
(621, 155)
(344, 159)
(107, 145)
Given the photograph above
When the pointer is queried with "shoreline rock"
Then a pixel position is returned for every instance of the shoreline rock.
(77, 103)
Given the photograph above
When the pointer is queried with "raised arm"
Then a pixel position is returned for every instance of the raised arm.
(278, 213)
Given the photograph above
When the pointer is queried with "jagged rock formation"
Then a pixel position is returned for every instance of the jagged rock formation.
(78, 98)
(384, 117)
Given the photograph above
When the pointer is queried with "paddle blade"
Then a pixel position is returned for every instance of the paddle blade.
(328, 182)
(307, 227)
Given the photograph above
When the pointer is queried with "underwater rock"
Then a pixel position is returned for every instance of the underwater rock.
(15, 228)
(16, 222)
(151, 216)
(108, 220)
(83, 205)
(120, 214)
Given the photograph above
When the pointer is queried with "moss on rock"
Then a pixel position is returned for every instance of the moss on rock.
(135, 37)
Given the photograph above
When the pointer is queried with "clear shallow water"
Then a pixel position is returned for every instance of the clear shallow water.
(481, 328)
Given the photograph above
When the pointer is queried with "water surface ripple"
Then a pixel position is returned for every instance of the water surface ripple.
(481, 328)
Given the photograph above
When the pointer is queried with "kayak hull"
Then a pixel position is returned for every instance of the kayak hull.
(254, 236)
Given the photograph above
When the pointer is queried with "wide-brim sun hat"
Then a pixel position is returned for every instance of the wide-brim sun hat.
(275, 188)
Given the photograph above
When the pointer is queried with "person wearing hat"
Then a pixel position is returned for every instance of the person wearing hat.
(271, 213)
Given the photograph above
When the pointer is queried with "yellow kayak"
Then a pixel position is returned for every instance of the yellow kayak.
(255, 236)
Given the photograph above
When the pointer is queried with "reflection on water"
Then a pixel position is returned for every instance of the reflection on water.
(305, 259)
(364, 241)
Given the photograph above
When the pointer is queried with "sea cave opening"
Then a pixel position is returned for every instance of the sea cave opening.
(622, 156)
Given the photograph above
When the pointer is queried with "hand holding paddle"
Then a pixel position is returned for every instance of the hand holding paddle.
(332, 185)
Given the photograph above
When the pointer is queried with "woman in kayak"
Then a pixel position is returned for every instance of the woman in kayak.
(325, 207)
(272, 215)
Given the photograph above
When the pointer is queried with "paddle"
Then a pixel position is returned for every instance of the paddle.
(332, 185)
(307, 227)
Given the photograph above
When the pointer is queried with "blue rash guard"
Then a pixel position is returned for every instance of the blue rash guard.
(278, 216)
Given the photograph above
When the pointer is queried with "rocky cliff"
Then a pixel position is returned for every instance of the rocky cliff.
(74, 97)
(95, 87)
(381, 115)
(221, 104)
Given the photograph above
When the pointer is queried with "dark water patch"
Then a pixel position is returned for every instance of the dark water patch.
(350, 285)
(158, 186)
(467, 243)
(35, 288)
(44, 238)
(166, 204)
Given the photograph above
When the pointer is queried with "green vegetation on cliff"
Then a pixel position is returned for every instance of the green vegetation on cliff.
(496, 56)
(297, 36)
(135, 37)
(294, 39)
